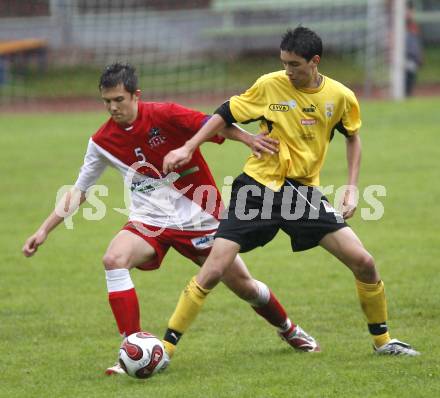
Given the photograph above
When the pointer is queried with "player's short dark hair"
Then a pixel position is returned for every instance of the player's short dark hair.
(303, 42)
(119, 73)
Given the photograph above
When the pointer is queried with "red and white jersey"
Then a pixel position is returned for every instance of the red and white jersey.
(187, 199)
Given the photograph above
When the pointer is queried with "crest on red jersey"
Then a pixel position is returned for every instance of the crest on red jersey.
(155, 138)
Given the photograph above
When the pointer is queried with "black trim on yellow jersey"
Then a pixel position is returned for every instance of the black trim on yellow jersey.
(261, 119)
(224, 110)
(340, 127)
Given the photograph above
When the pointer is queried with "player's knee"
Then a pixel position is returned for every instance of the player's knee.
(366, 262)
(114, 261)
(365, 266)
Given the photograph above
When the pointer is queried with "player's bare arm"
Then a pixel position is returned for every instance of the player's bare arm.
(181, 156)
(258, 143)
(64, 208)
(353, 148)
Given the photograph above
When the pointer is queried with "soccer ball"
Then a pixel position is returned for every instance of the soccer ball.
(142, 354)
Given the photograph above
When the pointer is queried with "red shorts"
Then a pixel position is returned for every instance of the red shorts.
(191, 244)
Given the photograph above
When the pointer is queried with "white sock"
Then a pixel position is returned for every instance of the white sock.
(263, 295)
(118, 280)
(286, 326)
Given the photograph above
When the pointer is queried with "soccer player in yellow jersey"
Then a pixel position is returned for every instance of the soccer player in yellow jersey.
(301, 108)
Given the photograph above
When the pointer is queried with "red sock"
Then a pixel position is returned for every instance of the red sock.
(273, 312)
(125, 307)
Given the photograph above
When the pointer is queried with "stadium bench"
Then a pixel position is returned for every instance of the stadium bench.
(21, 52)
(10, 47)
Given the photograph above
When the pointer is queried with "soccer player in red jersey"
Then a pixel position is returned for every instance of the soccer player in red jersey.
(179, 210)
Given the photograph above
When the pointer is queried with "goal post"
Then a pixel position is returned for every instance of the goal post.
(397, 50)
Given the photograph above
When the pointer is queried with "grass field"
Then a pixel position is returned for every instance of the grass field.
(57, 331)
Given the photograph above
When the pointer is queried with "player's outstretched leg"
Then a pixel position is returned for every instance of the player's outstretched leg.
(264, 302)
(267, 305)
(374, 305)
(346, 246)
(189, 305)
(192, 298)
(238, 279)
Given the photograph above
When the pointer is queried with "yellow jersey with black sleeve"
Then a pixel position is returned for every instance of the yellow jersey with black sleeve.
(302, 120)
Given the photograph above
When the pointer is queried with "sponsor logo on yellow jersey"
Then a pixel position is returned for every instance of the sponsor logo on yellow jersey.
(278, 107)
